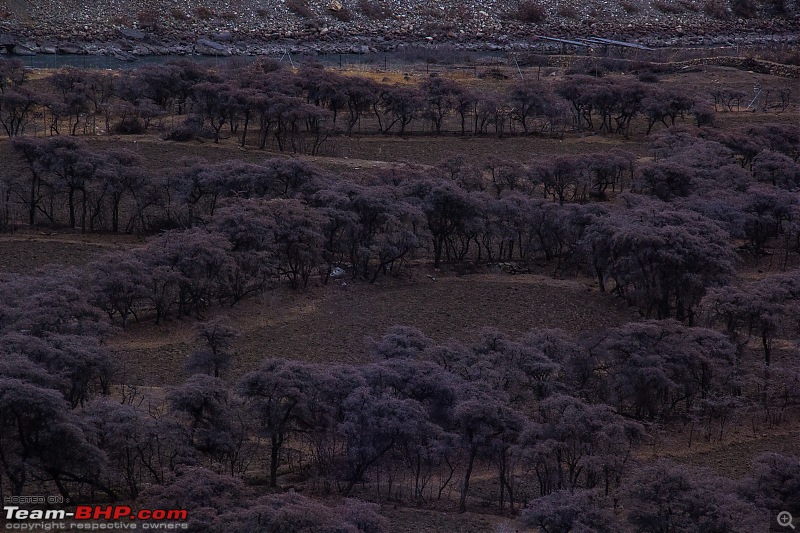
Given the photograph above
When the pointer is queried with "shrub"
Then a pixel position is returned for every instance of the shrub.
(178, 13)
(689, 5)
(342, 15)
(131, 126)
(188, 131)
(778, 7)
(531, 12)
(493, 74)
(147, 19)
(704, 114)
(203, 13)
(374, 10)
(568, 11)
(300, 8)
(716, 9)
(630, 7)
(668, 8)
(744, 8)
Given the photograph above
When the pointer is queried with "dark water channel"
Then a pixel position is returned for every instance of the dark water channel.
(387, 60)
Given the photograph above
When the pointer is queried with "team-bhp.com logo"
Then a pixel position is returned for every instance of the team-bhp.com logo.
(87, 517)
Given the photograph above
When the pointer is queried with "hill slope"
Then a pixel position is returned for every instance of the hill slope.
(382, 21)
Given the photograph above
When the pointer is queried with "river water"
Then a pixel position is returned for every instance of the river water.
(369, 60)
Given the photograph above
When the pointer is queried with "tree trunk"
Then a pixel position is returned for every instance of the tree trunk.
(462, 505)
(273, 460)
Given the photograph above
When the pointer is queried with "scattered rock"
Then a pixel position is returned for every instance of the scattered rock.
(208, 47)
(71, 49)
(132, 33)
(102, 25)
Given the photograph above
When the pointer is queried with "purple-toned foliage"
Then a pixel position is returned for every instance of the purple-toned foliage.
(777, 169)
(484, 425)
(141, 450)
(193, 265)
(656, 369)
(566, 511)
(775, 482)
(661, 260)
(572, 444)
(669, 497)
(400, 342)
(79, 364)
(293, 513)
(54, 301)
(206, 495)
(217, 423)
(42, 442)
(373, 423)
(280, 397)
(215, 356)
(761, 308)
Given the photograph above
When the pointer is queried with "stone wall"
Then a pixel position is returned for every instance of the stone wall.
(742, 63)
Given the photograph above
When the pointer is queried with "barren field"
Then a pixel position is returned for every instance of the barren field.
(331, 324)
(24, 251)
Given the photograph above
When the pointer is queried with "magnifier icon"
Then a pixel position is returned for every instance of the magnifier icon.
(785, 519)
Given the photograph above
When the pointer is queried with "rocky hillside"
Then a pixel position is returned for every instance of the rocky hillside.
(366, 24)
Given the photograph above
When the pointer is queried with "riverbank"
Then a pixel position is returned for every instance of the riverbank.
(128, 30)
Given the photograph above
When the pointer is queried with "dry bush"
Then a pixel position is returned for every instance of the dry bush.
(668, 8)
(229, 15)
(300, 8)
(629, 7)
(717, 9)
(147, 19)
(745, 9)
(342, 15)
(203, 13)
(493, 74)
(431, 13)
(178, 14)
(374, 10)
(531, 12)
(781, 7)
(689, 5)
(567, 11)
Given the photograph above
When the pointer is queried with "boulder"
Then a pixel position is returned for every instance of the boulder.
(208, 47)
(70, 49)
(132, 33)
(122, 55)
(24, 50)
